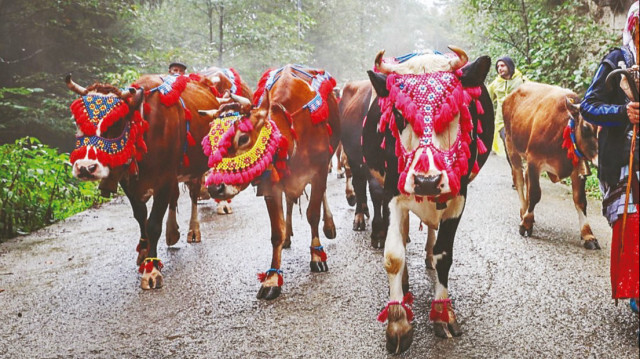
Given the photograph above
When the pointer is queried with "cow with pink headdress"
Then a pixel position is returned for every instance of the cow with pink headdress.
(427, 135)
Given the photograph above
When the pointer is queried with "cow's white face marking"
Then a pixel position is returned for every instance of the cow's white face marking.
(87, 169)
(446, 139)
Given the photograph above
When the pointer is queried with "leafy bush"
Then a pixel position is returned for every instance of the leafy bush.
(37, 188)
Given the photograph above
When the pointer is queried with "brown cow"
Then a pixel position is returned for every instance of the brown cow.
(151, 157)
(357, 97)
(280, 146)
(535, 121)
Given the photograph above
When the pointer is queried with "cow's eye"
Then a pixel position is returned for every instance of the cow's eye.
(243, 140)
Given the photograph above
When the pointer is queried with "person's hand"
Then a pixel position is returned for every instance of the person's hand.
(633, 111)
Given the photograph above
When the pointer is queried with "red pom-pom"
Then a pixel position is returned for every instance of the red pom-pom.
(190, 140)
(439, 310)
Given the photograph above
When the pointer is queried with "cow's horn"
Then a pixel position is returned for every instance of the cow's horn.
(243, 101)
(380, 65)
(74, 86)
(461, 60)
(125, 94)
(571, 103)
(208, 114)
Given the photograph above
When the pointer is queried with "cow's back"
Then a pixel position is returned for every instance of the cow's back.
(167, 136)
(310, 145)
(535, 116)
(356, 97)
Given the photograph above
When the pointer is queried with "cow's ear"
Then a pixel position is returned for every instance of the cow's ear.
(474, 73)
(137, 98)
(379, 82)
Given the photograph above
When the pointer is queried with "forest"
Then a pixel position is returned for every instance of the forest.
(114, 41)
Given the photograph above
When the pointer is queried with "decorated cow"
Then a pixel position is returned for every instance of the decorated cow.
(543, 128)
(147, 139)
(427, 133)
(281, 142)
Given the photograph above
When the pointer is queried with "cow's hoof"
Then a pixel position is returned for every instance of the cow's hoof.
(269, 293)
(428, 262)
(447, 330)
(377, 241)
(287, 242)
(591, 244)
(399, 336)
(359, 223)
(330, 231)
(351, 200)
(151, 280)
(318, 267)
(526, 232)
(224, 208)
(173, 237)
(193, 236)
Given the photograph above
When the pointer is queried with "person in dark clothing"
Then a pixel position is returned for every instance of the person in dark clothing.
(616, 114)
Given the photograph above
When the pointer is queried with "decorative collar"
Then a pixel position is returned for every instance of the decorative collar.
(245, 167)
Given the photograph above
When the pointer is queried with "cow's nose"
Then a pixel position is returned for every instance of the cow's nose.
(427, 185)
(86, 171)
(216, 190)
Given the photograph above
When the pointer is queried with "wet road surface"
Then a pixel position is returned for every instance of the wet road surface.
(72, 289)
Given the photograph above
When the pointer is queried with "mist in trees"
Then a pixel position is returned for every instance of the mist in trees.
(117, 40)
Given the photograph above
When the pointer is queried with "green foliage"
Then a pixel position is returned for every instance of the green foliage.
(37, 188)
(551, 42)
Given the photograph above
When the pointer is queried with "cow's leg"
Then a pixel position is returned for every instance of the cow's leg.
(140, 214)
(578, 183)
(533, 197)
(151, 276)
(399, 330)
(517, 177)
(339, 164)
(380, 220)
(318, 256)
(194, 186)
(349, 191)
(329, 227)
(272, 279)
(442, 314)
(172, 234)
(288, 219)
(359, 181)
(431, 240)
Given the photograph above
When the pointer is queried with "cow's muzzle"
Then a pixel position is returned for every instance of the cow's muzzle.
(427, 185)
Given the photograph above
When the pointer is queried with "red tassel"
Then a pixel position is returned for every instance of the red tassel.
(329, 130)
(133, 168)
(185, 161)
(262, 277)
(261, 86)
(482, 149)
(187, 114)
(441, 315)
(190, 140)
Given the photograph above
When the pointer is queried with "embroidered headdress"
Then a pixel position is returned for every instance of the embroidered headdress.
(94, 115)
(430, 102)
